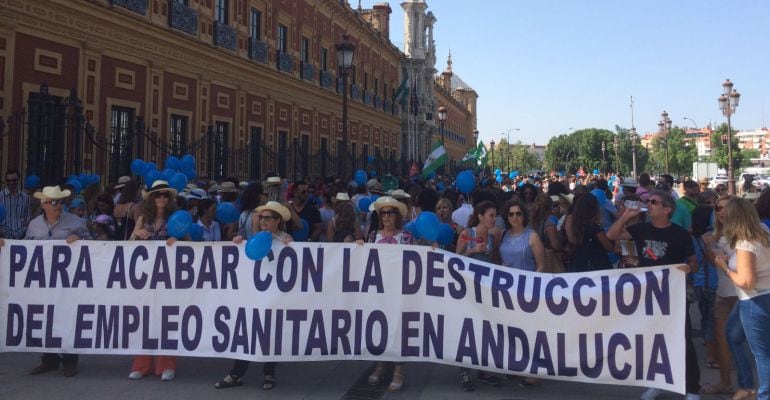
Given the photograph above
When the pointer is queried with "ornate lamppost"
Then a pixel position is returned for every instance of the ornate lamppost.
(604, 164)
(664, 129)
(634, 138)
(492, 151)
(442, 119)
(728, 102)
(616, 146)
(345, 49)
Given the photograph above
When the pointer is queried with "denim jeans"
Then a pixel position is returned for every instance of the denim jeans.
(706, 298)
(755, 317)
(736, 339)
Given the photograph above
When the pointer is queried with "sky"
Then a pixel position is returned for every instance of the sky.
(550, 67)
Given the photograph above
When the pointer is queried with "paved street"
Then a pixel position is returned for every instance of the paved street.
(105, 377)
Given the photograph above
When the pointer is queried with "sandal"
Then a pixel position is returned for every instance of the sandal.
(268, 382)
(376, 376)
(745, 394)
(397, 383)
(229, 381)
(716, 389)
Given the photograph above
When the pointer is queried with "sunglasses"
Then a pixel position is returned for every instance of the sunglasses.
(161, 194)
(266, 218)
(391, 213)
(515, 214)
(54, 202)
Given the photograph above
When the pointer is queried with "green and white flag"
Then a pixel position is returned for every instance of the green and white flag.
(472, 154)
(481, 154)
(436, 158)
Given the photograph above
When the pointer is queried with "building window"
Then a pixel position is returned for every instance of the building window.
(255, 146)
(283, 150)
(120, 143)
(305, 50)
(178, 134)
(305, 152)
(324, 59)
(283, 37)
(182, 2)
(221, 11)
(256, 24)
(218, 149)
(366, 81)
(376, 86)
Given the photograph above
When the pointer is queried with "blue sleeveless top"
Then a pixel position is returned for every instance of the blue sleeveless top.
(515, 251)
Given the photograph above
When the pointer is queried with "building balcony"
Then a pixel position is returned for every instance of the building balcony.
(285, 61)
(377, 102)
(355, 92)
(258, 50)
(183, 18)
(325, 79)
(307, 71)
(224, 36)
(386, 106)
(367, 98)
(137, 6)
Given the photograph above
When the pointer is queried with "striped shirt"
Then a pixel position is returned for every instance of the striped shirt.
(16, 219)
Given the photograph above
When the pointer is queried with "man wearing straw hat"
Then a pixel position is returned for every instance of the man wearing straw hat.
(56, 224)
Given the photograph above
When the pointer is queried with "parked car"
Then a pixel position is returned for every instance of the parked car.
(717, 180)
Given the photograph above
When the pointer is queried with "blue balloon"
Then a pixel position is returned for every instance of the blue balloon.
(187, 162)
(196, 232)
(427, 225)
(596, 171)
(466, 182)
(2, 212)
(151, 176)
(499, 178)
(411, 227)
(440, 187)
(372, 174)
(498, 171)
(601, 197)
(302, 233)
(179, 223)
(168, 173)
(364, 203)
(446, 234)
(76, 186)
(94, 179)
(360, 177)
(32, 182)
(373, 198)
(259, 245)
(178, 181)
(189, 173)
(431, 175)
(511, 175)
(83, 179)
(172, 162)
(138, 166)
(150, 166)
(370, 159)
(226, 213)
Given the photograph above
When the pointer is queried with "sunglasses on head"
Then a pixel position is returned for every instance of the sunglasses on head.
(54, 202)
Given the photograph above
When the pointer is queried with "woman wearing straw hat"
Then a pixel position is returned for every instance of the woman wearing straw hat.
(390, 215)
(56, 224)
(158, 205)
(272, 217)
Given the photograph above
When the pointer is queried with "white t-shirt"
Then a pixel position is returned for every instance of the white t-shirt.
(725, 287)
(762, 269)
(460, 216)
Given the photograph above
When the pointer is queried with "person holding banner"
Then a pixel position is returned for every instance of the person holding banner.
(272, 218)
(659, 242)
(749, 270)
(56, 224)
(158, 205)
(390, 214)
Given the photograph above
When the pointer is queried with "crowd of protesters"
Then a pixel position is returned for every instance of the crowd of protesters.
(550, 224)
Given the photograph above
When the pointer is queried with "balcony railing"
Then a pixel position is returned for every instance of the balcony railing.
(258, 50)
(367, 98)
(285, 62)
(183, 18)
(224, 36)
(377, 101)
(137, 6)
(308, 71)
(355, 92)
(326, 79)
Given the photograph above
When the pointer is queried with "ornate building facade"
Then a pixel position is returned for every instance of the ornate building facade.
(246, 86)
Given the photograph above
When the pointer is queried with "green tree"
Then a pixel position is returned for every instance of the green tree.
(681, 154)
(719, 151)
(583, 148)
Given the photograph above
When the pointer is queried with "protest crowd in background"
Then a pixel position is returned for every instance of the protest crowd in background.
(554, 223)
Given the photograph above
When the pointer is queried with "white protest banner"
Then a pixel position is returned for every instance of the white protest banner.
(324, 301)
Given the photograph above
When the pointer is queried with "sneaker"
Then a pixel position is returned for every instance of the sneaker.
(467, 382)
(651, 394)
(168, 375)
(43, 368)
(489, 379)
(690, 396)
(134, 375)
(68, 371)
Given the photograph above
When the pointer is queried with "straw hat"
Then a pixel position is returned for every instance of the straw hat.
(228, 187)
(273, 180)
(399, 194)
(276, 207)
(373, 186)
(52, 193)
(389, 202)
(159, 186)
(630, 182)
(122, 181)
(197, 194)
(342, 196)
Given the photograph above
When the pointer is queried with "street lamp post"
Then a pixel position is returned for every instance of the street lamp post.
(616, 146)
(604, 163)
(728, 102)
(475, 138)
(345, 49)
(509, 147)
(442, 120)
(664, 127)
(634, 138)
(492, 151)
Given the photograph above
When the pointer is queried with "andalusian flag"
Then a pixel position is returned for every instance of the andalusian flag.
(436, 159)
(481, 154)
